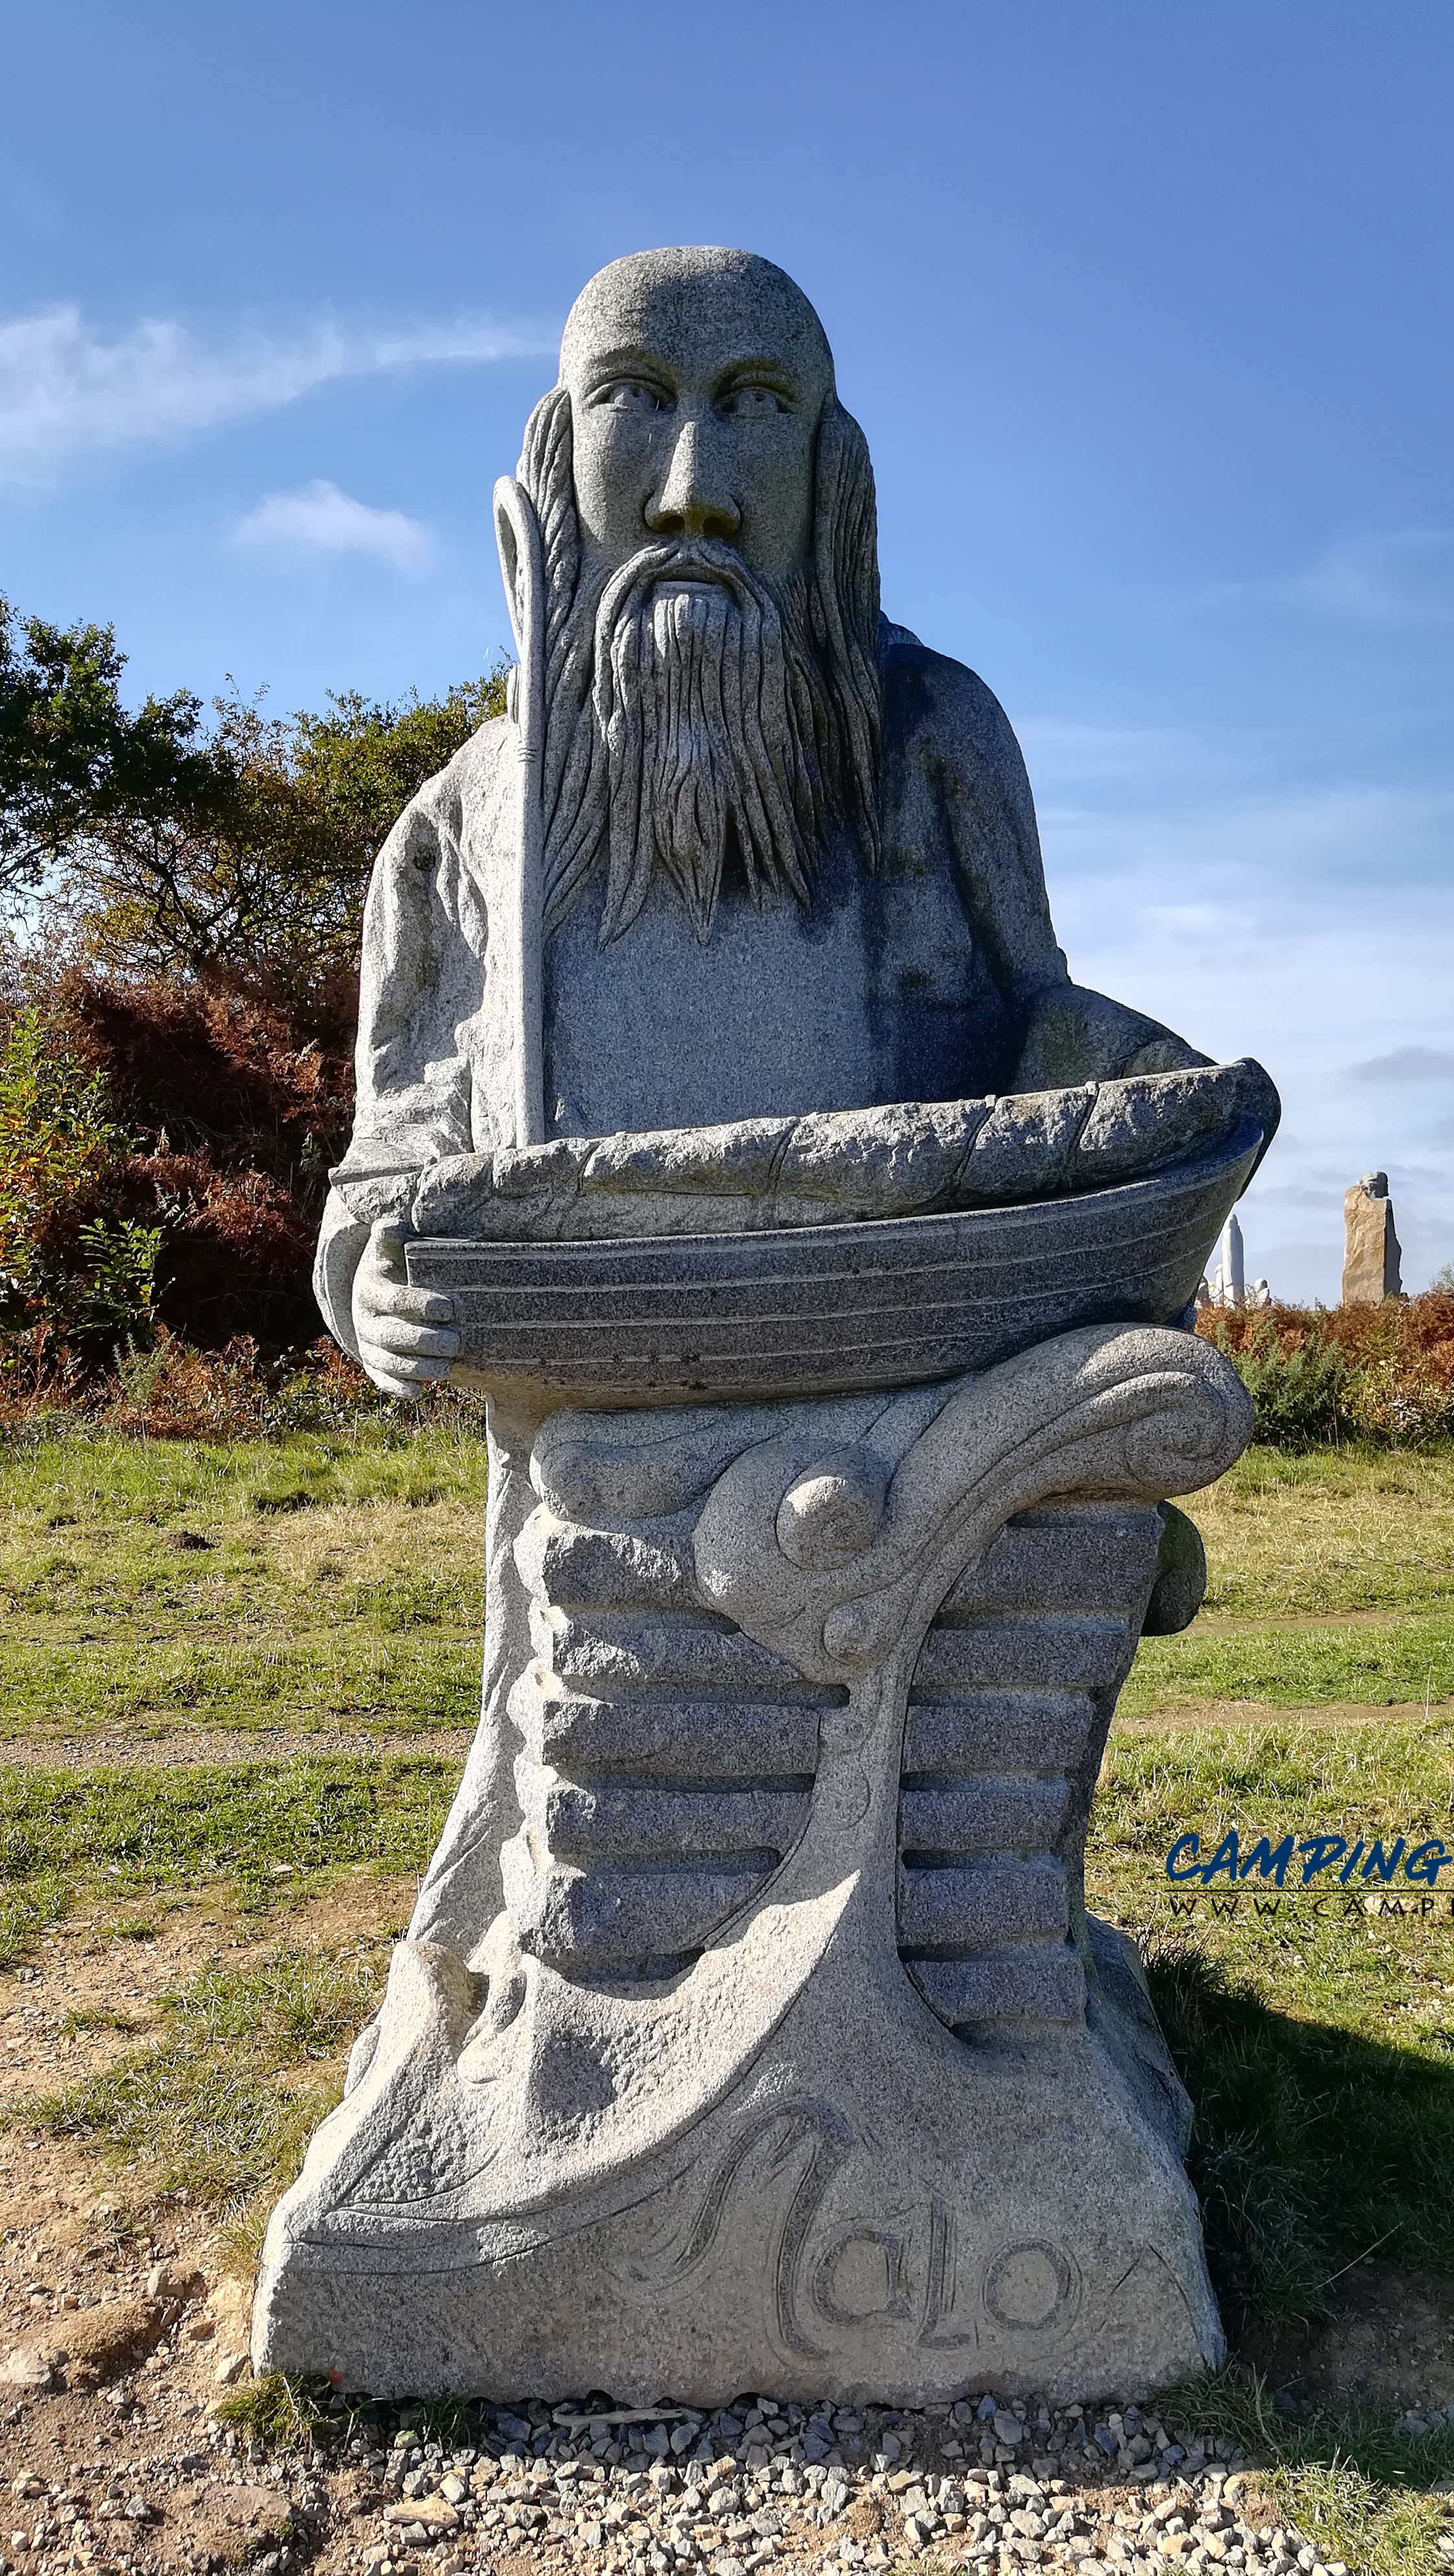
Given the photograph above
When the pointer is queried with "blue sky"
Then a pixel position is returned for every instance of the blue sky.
(1146, 311)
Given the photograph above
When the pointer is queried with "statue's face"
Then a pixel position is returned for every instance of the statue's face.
(695, 400)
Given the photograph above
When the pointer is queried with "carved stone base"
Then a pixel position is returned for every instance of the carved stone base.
(879, 2114)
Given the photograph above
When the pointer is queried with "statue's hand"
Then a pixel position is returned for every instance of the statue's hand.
(404, 1336)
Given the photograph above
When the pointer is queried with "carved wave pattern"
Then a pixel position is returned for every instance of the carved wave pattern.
(668, 1759)
(1009, 1706)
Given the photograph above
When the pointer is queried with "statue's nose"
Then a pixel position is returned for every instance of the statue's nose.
(694, 500)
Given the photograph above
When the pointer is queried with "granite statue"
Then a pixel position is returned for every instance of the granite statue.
(824, 1256)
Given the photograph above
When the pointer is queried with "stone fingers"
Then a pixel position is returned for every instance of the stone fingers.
(388, 1330)
(419, 1305)
(382, 1287)
(405, 1335)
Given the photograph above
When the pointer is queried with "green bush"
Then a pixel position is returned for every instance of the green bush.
(1379, 1374)
(1300, 1397)
(65, 1268)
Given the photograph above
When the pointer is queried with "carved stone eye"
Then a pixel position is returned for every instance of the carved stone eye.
(633, 393)
(753, 402)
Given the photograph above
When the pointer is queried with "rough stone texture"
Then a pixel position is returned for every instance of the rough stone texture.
(1372, 1252)
(908, 1159)
(504, 1002)
(697, 2109)
(718, 1071)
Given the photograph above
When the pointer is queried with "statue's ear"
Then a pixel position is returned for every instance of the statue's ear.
(517, 534)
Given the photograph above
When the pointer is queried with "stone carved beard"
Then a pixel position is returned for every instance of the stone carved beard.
(703, 699)
(697, 712)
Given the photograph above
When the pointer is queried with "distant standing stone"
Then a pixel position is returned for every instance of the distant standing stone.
(1233, 1290)
(1371, 1249)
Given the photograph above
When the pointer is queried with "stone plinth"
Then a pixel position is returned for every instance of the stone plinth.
(791, 2059)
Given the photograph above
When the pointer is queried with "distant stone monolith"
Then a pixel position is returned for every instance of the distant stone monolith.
(1371, 1249)
(1232, 1290)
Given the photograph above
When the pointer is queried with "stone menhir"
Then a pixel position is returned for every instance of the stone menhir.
(824, 1256)
(1372, 1253)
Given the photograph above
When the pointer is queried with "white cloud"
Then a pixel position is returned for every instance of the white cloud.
(66, 389)
(321, 520)
(1383, 577)
(1310, 928)
(1406, 1064)
(1129, 754)
(1405, 575)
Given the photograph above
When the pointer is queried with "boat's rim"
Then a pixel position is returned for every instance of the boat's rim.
(1188, 1174)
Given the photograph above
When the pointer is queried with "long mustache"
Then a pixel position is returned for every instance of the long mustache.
(674, 673)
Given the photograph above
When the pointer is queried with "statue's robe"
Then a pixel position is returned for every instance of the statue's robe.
(935, 978)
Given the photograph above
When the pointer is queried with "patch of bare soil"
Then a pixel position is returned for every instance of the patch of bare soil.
(122, 2326)
(1390, 2343)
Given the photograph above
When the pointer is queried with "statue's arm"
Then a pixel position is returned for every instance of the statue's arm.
(956, 769)
(1072, 1034)
(420, 983)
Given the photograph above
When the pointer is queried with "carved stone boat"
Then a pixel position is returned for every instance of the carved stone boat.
(831, 1309)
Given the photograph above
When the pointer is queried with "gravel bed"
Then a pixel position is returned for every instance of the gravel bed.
(993, 2484)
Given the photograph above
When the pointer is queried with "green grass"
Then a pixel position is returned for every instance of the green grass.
(1360, 1543)
(219, 2104)
(1314, 2140)
(1319, 2050)
(1361, 2493)
(1320, 2056)
(340, 1583)
(264, 1830)
(341, 1589)
(1380, 1779)
(1374, 1663)
(1329, 1531)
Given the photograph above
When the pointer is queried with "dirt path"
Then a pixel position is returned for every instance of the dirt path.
(1266, 1712)
(223, 1745)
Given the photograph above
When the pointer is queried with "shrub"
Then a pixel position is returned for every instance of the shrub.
(239, 847)
(179, 1035)
(66, 1267)
(104, 1227)
(1383, 1373)
(1299, 1396)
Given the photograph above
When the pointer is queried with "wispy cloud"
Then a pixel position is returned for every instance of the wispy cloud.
(1383, 577)
(1307, 926)
(1400, 576)
(67, 389)
(1089, 753)
(321, 520)
(1406, 1064)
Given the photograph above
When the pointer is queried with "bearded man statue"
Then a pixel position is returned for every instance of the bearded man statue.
(790, 858)
(727, 1116)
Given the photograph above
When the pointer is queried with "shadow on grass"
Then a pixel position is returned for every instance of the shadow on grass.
(1312, 2147)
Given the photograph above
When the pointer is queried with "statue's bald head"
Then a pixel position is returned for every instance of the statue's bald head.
(707, 300)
